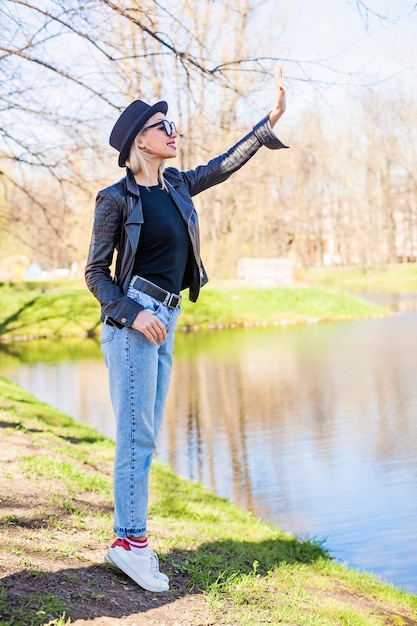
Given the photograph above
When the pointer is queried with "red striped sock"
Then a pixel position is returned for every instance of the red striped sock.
(138, 546)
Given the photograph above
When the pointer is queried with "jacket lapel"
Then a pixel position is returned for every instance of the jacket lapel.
(184, 203)
(132, 226)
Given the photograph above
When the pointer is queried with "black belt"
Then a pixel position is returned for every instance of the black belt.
(172, 300)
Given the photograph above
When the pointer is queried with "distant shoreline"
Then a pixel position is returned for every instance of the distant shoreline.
(32, 311)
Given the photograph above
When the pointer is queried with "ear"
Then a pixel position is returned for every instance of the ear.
(139, 141)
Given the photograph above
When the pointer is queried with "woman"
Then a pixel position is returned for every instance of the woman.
(149, 219)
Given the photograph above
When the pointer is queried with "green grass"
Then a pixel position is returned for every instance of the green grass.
(47, 311)
(248, 571)
(401, 278)
(77, 479)
(68, 309)
(35, 609)
(239, 306)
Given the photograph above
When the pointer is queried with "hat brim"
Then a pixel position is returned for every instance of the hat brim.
(159, 107)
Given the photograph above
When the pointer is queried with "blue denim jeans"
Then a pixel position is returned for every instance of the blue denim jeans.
(139, 375)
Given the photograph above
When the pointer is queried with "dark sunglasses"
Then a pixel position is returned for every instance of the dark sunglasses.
(169, 127)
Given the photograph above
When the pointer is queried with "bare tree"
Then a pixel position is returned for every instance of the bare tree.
(67, 69)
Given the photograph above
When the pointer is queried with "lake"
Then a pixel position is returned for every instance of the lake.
(313, 428)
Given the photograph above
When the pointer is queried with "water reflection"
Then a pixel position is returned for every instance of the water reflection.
(396, 302)
(312, 428)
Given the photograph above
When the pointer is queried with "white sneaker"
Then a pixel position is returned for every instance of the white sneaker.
(144, 570)
(155, 557)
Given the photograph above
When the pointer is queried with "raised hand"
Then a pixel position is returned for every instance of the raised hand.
(281, 103)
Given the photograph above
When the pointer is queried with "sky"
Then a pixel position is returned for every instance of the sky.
(379, 48)
(363, 50)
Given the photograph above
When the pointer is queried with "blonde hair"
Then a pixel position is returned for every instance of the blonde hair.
(137, 162)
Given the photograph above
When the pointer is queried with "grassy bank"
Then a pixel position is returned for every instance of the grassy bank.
(33, 310)
(399, 278)
(226, 567)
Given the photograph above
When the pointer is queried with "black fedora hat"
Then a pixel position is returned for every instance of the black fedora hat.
(129, 124)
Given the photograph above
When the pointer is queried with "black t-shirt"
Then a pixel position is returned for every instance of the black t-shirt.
(164, 242)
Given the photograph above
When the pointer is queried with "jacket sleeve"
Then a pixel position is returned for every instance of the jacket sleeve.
(222, 167)
(117, 307)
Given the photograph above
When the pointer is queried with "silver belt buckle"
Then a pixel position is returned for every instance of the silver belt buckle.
(174, 301)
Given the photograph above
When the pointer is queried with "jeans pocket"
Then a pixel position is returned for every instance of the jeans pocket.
(149, 303)
(107, 333)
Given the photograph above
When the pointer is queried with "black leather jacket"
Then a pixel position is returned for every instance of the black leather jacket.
(118, 218)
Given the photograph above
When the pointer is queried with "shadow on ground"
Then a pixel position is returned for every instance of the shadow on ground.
(103, 591)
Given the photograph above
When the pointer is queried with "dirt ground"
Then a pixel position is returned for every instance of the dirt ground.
(44, 553)
(67, 563)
